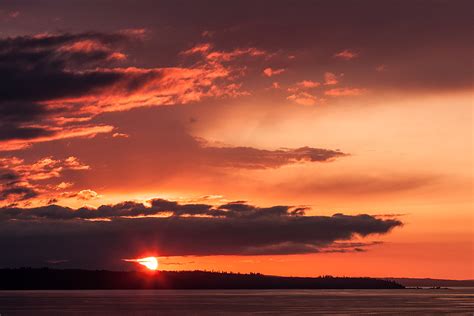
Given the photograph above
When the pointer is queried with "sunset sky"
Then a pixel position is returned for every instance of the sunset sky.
(298, 138)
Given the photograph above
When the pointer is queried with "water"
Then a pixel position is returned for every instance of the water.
(456, 301)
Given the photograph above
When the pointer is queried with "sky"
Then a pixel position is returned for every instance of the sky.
(288, 138)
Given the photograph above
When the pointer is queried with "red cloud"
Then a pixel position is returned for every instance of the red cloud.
(303, 98)
(201, 48)
(346, 54)
(14, 14)
(84, 195)
(345, 92)
(269, 72)
(55, 134)
(330, 78)
(45, 168)
(22, 182)
(137, 32)
(308, 84)
(207, 51)
(381, 68)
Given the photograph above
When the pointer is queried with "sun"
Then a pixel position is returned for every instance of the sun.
(151, 263)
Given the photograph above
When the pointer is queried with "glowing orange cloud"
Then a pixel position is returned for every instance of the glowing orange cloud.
(303, 98)
(88, 131)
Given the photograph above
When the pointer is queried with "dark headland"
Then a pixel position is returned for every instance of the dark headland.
(72, 279)
(427, 282)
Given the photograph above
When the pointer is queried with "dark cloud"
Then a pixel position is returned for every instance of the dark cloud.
(39, 68)
(7, 175)
(253, 158)
(13, 188)
(13, 116)
(11, 131)
(44, 68)
(19, 192)
(34, 236)
(157, 206)
(21, 111)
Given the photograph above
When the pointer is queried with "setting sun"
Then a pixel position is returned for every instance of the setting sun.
(150, 263)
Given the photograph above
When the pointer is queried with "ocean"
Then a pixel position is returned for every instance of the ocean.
(454, 301)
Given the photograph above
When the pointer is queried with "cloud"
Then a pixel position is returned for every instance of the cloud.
(299, 94)
(308, 84)
(16, 192)
(20, 181)
(200, 48)
(253, 158)
(14, 14)
(13, 187)
(64, 185)
(186, 229)
(37, 69)
(53, 84)
(84, 195)
(207, 50)
(270, 72)
(303, 98)
(345, 92)
(7, 16)
(276, 85)
(120, 135)
(330, 78)
(15, 114)
(381, 68)
(55, 133)
(346, 54)
(42, 169)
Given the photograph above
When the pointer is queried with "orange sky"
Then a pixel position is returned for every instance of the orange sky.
(240, 112)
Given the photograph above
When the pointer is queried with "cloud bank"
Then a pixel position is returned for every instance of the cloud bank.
(167, 228)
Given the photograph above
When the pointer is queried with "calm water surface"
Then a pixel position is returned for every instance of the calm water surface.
(456, 301)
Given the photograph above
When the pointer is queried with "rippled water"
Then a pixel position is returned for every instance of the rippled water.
(459, 301)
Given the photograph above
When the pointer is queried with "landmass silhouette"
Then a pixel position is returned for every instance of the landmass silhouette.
(74, 279)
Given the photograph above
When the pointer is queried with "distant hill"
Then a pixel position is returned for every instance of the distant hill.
(414, 282)
(48, 279)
